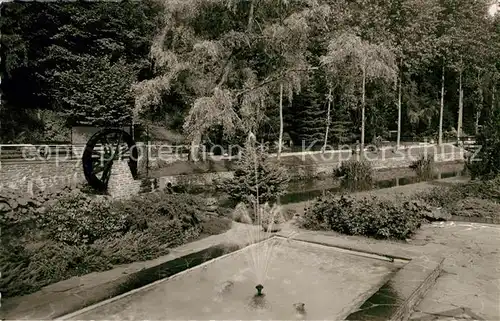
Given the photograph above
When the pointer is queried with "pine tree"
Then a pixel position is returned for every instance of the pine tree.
(256, 175)
(307, 118)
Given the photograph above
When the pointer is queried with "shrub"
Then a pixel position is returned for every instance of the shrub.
(486, 164)
(440, 196)
(79, 234)
(26, 270)
(368, 217)
(424, 167)
(20, 213)
(135, 246)
(447, 197)
(271, 178)
(216, 225)
(355, 175)
(241, 214)
(79, 219)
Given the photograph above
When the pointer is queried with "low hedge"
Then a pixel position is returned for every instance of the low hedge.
(471, 199)
(81, 233)
(364, 216)
(448, 196)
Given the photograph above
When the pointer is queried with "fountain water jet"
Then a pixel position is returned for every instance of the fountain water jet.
(265, 219)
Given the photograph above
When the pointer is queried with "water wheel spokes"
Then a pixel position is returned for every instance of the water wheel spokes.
(104, 148)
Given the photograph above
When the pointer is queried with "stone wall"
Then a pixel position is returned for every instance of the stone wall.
(30, 176)
(305, 171)
(121, 182)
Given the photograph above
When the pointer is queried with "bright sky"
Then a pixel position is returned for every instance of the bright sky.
(494, 8)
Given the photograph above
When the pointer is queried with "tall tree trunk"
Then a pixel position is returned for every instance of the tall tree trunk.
(493, 91)
(280, 142)
(480, 106)
(398, 143)
(250, 15)
(460, 106)
(328, 119)
(441, 109)
(194, 153)
(478, 116)
(363, 112)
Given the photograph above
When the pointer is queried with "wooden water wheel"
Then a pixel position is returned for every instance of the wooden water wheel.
(101, 150)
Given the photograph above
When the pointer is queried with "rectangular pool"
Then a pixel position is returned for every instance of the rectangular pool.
(329, 282)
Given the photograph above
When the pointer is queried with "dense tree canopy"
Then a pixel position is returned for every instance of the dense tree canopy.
(215, 68)
(77, 59)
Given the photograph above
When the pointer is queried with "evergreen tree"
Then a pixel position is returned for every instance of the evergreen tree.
(257, 176)
(307, 117)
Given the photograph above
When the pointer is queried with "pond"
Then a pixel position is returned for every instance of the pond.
(305, 190)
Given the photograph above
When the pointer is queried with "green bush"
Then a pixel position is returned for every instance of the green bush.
(25, 269)
(355, 175)
(424, 167)
(79, 219)
(368, 217)
(447, 197)
(216, 225)
(79, 234)
(440, 196)
(186, 208)
(135, 246)
(486, 164)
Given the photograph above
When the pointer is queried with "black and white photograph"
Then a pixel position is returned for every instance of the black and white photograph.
(250, 160)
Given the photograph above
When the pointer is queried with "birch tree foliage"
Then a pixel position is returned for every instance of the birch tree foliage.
(229, 87)
(253, 101)
(377, 60)
(370, 61)
(286, 45)
(413, 26)
(203, 65)
(351, 51)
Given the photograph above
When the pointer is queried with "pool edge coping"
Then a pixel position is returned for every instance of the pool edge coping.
(66, 302)
(421, 271)
(429, 271)
(78, 302)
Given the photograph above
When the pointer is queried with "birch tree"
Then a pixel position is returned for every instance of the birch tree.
(371, 61)
(204, 66)
(413, 28)
(286, 44)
